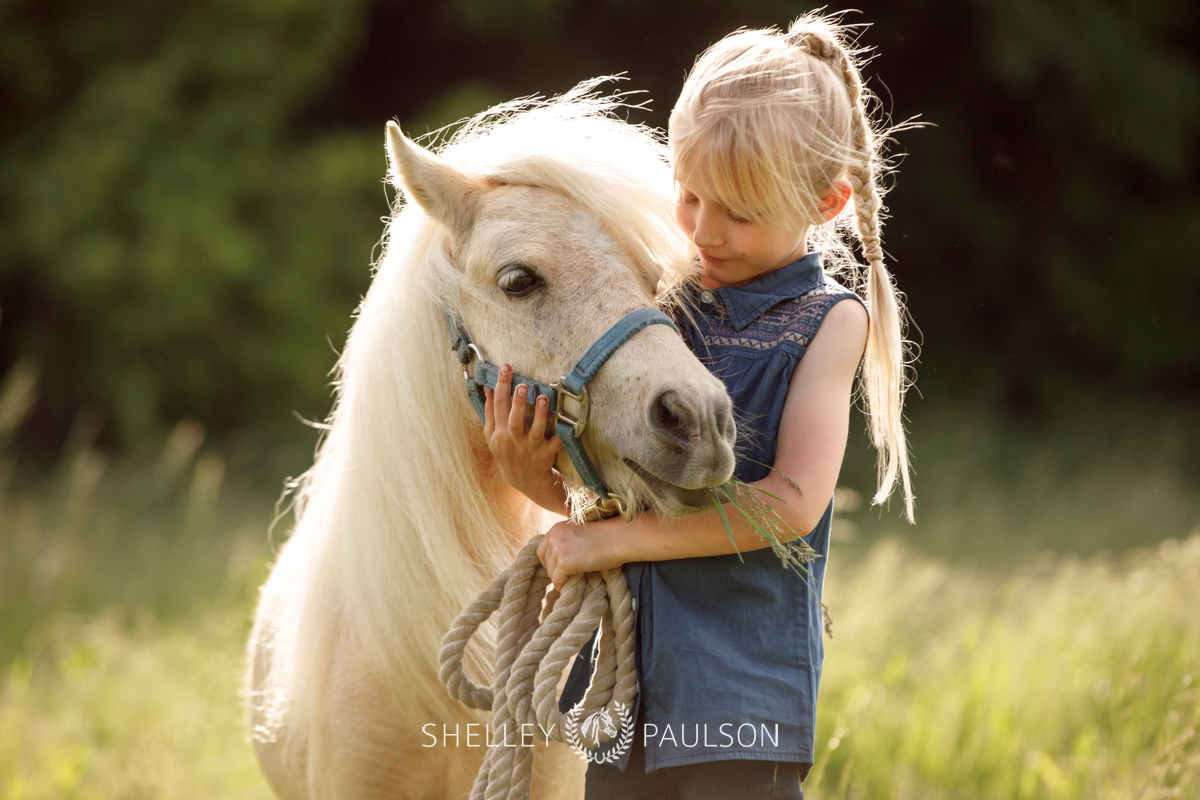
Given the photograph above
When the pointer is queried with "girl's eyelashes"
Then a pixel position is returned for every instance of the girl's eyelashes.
(691, 199)
(519, 280)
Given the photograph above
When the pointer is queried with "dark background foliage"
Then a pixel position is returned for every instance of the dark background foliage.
(190, 193)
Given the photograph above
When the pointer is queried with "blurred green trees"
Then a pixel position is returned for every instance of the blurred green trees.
(175, 243)
(1054, 209)
(190, 193)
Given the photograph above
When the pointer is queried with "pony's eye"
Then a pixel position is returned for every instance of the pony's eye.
(518, 281)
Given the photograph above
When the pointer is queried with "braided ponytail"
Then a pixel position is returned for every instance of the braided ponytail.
(884, 376)
(815, 37)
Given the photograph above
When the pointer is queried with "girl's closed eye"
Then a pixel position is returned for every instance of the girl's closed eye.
(691, 200)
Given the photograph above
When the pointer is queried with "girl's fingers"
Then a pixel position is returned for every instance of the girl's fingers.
(516, 415)
(541, 411)
(489, 413)
(503, 392)
(547, 555)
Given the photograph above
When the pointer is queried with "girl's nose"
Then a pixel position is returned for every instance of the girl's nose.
(708, 231)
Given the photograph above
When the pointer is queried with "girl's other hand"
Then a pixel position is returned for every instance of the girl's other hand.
(569, 549)
(525, 458)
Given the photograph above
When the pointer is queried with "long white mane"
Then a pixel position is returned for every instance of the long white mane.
(399, 522)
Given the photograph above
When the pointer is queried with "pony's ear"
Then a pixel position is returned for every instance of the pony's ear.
(445, 193)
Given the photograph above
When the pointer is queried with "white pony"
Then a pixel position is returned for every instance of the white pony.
(539, 226)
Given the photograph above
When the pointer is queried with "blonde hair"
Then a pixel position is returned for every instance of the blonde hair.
(776, 118)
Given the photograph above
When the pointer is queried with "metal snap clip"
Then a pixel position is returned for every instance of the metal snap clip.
(473, 354)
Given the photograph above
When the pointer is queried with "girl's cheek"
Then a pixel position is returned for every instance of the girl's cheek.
(681, 221)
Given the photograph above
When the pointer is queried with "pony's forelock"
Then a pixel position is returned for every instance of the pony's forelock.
(578, 145)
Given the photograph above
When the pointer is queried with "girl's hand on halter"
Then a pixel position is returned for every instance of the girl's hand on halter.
(568, 549)
(525, 458)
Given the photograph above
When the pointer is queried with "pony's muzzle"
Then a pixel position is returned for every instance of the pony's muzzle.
(696, 433)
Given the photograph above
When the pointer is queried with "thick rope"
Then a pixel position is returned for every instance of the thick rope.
(530, 659)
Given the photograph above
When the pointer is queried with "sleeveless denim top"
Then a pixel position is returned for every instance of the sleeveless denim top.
(729, 650)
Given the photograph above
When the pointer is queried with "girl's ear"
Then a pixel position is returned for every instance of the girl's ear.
(833, 203)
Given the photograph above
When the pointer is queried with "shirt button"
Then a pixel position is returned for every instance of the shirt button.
(706, 297)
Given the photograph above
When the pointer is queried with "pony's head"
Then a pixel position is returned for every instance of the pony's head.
(549, 236)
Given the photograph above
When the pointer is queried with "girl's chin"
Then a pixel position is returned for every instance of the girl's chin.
(728, 273)
(721, 270)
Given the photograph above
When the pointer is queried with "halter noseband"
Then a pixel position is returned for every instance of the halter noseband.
(479, 373)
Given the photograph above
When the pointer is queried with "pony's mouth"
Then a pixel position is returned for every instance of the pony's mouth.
(674, 498)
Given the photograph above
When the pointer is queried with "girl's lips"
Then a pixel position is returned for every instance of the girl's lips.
(713, 259)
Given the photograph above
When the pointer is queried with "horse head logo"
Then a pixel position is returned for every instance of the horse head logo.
(599, 726)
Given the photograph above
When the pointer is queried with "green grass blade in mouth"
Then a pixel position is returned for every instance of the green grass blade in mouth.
(788, 480)
(758, 522)
(725, 521)
(768, 494)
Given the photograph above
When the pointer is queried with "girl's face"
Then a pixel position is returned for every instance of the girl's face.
(732, 250)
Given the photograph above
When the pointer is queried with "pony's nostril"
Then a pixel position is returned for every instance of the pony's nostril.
(728, 429)
(673, 418)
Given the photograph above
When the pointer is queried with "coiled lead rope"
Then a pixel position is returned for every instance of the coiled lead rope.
(532, 650)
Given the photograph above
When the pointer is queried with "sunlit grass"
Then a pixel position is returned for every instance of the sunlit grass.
(126, 591)
(139, 538)
(1068, 678)
(110, 711)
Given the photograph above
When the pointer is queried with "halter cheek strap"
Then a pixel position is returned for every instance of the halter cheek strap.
(570, 424)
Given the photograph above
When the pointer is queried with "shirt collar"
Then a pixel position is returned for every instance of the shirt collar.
(744, 304)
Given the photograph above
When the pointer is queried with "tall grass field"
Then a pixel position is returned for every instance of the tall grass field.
(1036, 635)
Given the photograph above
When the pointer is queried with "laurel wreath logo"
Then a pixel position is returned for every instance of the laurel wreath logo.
(600, 722)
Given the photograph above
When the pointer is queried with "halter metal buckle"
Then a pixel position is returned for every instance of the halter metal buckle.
(585, 404)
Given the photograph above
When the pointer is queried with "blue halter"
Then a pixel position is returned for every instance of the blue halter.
(479, 373)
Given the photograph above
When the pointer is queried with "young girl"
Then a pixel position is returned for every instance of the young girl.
(770, 142)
